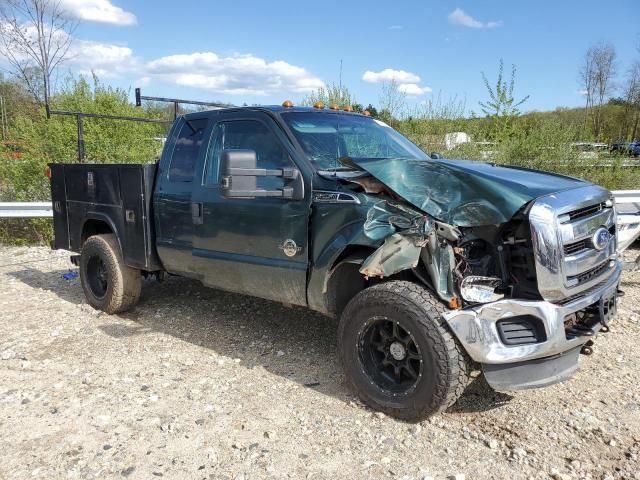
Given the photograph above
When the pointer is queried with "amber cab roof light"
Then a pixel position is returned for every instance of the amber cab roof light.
(287, 104)
(366, 113)
(348, 108)
(334, 106)
(319, 105)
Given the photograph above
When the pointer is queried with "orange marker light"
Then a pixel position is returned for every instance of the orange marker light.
(47, 172)
(333, 106)
(366, 113)
(318, 105)
(287, 104)
(348, 108)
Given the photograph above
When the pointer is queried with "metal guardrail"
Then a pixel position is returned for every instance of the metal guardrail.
(26, 210)
(44, 209)
(627, 196)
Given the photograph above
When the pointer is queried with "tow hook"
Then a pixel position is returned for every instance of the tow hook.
(620, 293)
(605, 329)
(587, 348)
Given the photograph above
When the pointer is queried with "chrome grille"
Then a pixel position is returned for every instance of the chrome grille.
(586, 211)
(575, 247)
(563, 226)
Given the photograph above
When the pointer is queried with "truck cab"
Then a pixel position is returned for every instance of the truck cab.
(435, 267)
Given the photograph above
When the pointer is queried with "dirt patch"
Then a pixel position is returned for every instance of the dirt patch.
(197, 383)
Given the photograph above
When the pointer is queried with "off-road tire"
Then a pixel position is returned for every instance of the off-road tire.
(446, 369)
(123, 283)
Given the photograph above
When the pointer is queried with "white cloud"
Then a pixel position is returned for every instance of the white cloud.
(86, 56)
(459, 17)
(142, 82)
(413, 89)
(396, 27)
(582, 92)
(234, 75)
(390, 75)
(105, 60)
(99, 11)
(408, 83)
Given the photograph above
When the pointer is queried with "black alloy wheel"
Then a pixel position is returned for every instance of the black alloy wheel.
(98, 277)
(390, 355)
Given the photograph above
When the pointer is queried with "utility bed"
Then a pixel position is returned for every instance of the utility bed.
(89, 198)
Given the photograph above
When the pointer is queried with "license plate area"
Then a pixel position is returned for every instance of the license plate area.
(607, 307)
(585, 323)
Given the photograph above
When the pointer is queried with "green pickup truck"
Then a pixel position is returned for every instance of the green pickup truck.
(436, 268)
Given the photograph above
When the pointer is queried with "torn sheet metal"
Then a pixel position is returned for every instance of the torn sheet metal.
(404, 230)
(409, 236)
(463, 193)
(386, 218)
(399, 252)
(439, 260)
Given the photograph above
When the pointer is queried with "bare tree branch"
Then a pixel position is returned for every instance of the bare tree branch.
(35, 35)
(597, 74)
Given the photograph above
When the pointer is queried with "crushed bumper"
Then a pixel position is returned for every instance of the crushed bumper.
(533, 364)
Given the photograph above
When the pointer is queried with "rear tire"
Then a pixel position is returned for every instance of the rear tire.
(109, 285)
(398, 353)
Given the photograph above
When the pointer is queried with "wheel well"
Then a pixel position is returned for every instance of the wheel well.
(345, 280)
(94, 227)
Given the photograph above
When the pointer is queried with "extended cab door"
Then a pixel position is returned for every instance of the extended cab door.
(172, 196)
(257, 246)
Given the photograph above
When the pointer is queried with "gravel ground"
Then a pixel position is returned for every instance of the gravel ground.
(197, 383)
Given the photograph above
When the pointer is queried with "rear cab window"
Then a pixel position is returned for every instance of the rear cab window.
(186, 149)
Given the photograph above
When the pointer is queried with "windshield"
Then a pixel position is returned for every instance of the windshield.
(328, 137)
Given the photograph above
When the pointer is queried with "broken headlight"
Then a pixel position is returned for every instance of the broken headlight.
(477, 289)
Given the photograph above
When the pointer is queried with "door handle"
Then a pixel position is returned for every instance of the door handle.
(196, 213)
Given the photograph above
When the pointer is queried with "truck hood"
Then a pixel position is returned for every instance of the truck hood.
(462, 192)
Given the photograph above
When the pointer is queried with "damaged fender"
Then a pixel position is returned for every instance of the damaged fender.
(407, 232)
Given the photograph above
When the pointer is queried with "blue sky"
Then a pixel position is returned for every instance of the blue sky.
(263, 52)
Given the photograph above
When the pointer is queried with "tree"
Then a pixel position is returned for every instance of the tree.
(597, 74)
(502, 107)
(392, 101)
(35, 37)
(501, 101)
(373, 111)
(332, 94)
(632, 101)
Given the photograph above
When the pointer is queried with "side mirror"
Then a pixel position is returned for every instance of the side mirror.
(240, 175)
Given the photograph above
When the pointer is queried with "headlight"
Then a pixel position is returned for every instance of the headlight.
(476, 289)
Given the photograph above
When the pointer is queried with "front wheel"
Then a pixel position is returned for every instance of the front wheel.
(398, 353)
(108, 283)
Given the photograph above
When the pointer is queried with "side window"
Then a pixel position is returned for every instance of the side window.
(212, 167)
(247, 135)
(186, 150)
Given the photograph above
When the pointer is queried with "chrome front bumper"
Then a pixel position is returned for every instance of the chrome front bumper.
(476, 329)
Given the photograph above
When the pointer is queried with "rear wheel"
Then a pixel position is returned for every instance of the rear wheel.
(109, 285)
(398, 353)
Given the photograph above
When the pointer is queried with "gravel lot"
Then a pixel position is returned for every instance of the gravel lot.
(196, 383)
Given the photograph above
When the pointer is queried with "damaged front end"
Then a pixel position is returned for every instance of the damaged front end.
(462, 266)
(455, 226)
(511, 252)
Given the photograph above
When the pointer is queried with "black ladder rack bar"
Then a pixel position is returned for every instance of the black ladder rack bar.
(176, 102)
(80, 115)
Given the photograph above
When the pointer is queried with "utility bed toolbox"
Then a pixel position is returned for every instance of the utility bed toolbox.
(91, 198)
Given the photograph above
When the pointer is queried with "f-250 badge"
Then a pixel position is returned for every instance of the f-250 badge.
(290, 248)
